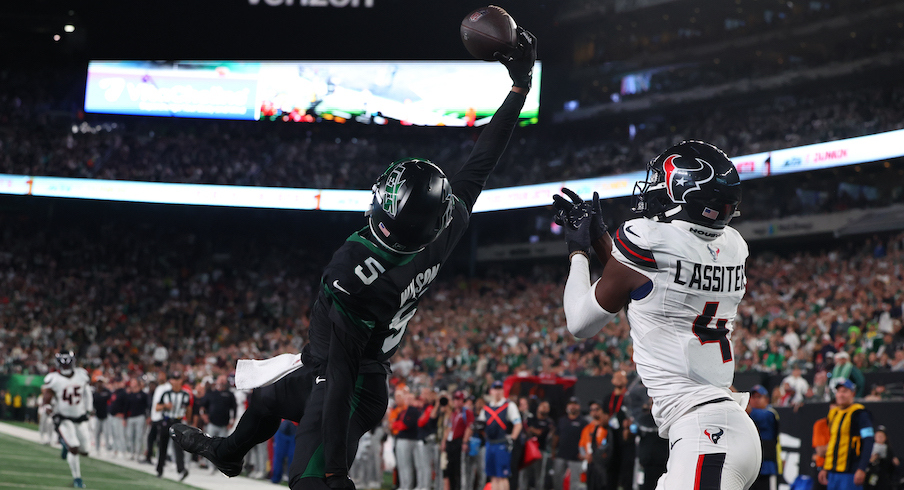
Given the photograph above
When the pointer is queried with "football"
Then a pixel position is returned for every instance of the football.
(488, 30)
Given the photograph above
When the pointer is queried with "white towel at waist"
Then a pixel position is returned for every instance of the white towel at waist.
(254, 373)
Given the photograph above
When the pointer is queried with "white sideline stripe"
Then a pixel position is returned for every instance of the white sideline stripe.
(196, 477)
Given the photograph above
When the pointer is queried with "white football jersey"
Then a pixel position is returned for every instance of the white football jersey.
(72, 394)
(681, 322)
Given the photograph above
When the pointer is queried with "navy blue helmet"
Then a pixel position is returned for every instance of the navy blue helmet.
(691, 181)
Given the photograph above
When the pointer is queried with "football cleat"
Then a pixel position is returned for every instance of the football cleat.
(195, 441)
(78, 483)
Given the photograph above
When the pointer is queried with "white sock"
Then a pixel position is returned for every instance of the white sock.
(74, 465)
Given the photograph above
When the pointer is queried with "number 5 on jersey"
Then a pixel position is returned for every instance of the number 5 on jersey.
(374, 269)
(708, 335)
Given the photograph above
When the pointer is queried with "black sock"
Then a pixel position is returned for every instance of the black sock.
(253, 428)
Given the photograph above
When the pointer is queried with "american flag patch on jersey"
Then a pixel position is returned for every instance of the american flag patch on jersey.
(386, 232)
(710, 213)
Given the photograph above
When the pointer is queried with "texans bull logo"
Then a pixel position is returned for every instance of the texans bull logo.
(681, 180)
(714, 436)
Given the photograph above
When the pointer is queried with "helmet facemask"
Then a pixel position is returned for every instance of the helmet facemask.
(66, 363)
(650, 196)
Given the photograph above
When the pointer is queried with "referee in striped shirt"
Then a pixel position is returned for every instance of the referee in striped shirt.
(175, 404)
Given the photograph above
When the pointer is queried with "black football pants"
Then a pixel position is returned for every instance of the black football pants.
(371, 397)
(267, 406)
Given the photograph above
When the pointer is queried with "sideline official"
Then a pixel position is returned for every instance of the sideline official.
(175, 406)
(850, 442)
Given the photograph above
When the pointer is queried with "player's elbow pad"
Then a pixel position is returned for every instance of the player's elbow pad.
(583, 314)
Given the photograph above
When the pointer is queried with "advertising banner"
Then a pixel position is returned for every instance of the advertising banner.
(153, 192)
(837, 153)
(15, 184)
(420, 93)
(193, 90)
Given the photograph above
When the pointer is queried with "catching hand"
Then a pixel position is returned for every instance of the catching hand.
(575, 217)
(598, 227)
(520, 63)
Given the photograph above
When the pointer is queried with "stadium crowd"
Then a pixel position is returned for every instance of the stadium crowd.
(810, 318)
(663, 35)
(132, 303)
(43, 132)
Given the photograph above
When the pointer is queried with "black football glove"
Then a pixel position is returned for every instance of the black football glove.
(576, 218)
(340, 482)
(598, 227)
(520, 63)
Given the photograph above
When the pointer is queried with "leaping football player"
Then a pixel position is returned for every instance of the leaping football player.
(369, 292)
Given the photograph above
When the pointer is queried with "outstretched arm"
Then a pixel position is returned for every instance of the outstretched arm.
(588, 308)
(470, 179)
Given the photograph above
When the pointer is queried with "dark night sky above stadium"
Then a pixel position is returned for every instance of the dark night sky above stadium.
(251, 29)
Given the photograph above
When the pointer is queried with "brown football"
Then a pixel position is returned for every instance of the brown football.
(488, 30)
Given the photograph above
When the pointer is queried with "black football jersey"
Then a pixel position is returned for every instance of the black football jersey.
(368, 294)
(378, 291)
(371, 294)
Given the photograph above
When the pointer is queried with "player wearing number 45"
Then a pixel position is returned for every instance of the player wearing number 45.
(369, 291)
(69, 389)
(680, 271)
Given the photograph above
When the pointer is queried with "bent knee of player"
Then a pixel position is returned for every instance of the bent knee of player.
(263, 400)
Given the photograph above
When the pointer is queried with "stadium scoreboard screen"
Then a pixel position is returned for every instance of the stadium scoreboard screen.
(421, 93)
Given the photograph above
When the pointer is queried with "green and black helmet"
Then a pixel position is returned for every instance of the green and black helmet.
(412, 205)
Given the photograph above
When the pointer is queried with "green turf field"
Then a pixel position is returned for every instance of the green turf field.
(25, 464)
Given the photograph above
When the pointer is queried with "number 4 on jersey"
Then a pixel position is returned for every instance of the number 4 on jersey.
(708, 335)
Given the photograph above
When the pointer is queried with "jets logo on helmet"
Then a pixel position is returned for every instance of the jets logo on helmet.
(412, 205)
(681, 181)
(390, 196)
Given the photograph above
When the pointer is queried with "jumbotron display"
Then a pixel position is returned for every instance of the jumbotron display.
(421, 93)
